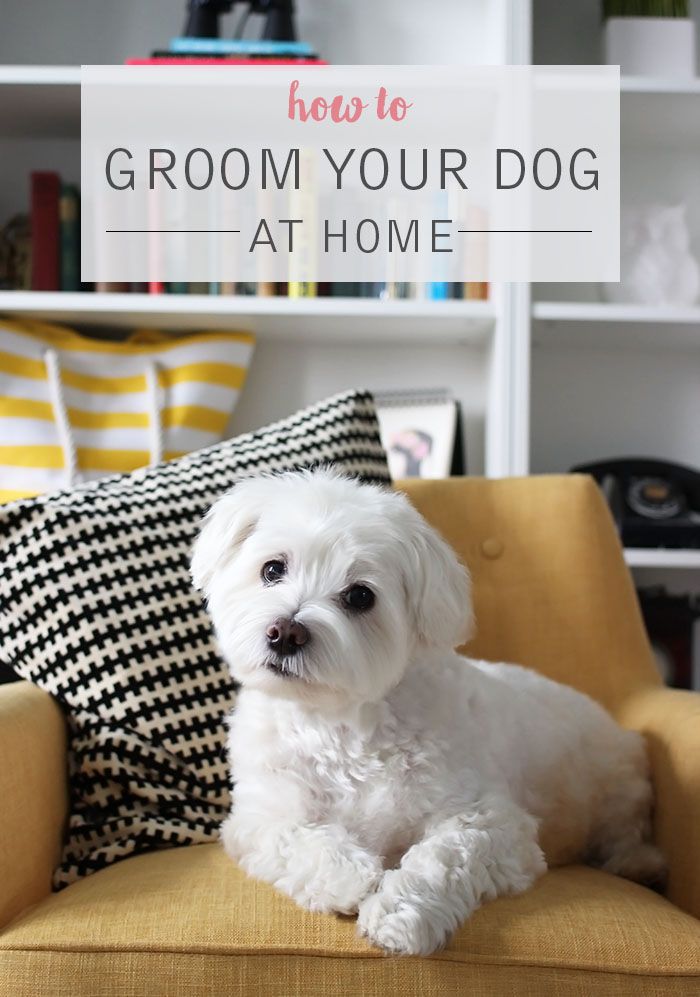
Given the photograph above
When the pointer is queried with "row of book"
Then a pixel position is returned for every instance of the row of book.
(41, 252)
(435, 291)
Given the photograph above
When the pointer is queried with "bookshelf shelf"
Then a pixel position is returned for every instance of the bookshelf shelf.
(659, 85)
(40, 100)
(613, 325)
(642, 557)
(46, 100)
(328, 320)
(659, 113)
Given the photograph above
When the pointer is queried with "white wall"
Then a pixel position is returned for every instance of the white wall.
(285, 376)
(588, 404)
(75, 32)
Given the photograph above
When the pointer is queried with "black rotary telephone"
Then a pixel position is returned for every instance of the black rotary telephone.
(654, 503)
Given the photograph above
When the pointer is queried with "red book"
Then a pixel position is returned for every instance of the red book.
(186, 60)
(46, 191)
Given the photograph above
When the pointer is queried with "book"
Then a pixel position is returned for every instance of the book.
(301, 289)
(374, 289)
(303, 204)
(45, 192)
(69, 216)
(238, 46)
(193, 60)
(476, 290)
(111, 287)
(344, 289)
(438, 290)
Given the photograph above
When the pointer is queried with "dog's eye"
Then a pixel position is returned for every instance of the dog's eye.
(359, 598)
(273, 571)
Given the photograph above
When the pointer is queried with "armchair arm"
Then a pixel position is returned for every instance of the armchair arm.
(33, 795)
(670, 721)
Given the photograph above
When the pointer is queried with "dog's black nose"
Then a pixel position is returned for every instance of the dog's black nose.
(287, 636)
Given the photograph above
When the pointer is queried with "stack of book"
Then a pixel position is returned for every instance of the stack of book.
(230, 51)
(41, 252)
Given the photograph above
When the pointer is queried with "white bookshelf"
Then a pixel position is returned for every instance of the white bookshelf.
(613, 380)
(302, 320)
(547, 378)
(305, 347)
(665, 558)
(615, 326)
(40, 101)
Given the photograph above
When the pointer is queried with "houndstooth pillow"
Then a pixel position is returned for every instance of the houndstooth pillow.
(96, 607)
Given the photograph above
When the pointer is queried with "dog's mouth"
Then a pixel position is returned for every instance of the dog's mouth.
(288, 668)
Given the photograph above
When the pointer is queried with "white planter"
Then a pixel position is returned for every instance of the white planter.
(651, 46)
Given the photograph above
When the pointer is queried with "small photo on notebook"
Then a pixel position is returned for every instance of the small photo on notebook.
(420, 432)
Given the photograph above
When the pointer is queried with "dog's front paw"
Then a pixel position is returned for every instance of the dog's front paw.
(336, 882)
(399, 924)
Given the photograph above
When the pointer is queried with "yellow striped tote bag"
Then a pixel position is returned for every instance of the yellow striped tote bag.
(73, 408)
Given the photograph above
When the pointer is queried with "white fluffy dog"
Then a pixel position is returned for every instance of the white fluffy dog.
(374, 769)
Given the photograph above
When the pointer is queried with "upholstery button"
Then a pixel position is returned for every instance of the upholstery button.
(491, 548)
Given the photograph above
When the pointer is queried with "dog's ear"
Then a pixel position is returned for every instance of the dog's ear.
(439, 588)
(229, 522)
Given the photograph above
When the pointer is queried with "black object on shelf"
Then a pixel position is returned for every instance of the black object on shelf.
(654, 503)
(203, 17)
(279, 26)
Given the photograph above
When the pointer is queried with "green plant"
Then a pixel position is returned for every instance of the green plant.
(645, 8)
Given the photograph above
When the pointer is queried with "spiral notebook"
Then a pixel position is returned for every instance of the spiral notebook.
(421, 432)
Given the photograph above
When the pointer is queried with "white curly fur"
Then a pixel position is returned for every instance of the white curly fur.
(381, 772)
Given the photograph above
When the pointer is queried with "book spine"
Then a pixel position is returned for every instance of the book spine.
(248, 287)
(110, 287)
(303, 204)
(227, 287)
(438, 290)
(68, 210)
(301, 289)
(238, 46)
(344, 289)
(267, 288)
(45, 194)
(476, 290)
(156, 287)
(194, 60)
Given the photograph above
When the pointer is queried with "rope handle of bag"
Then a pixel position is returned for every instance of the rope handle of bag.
(65, 431)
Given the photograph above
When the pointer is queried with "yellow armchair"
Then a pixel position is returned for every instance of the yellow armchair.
(551, 591)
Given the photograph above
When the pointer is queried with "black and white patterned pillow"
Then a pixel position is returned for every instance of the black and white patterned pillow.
(97, 608)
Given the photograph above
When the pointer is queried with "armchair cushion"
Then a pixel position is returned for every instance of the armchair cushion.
(97, 608)
(188, 921)
(33, 797)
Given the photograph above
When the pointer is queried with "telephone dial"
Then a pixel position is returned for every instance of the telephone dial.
(654, 503)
